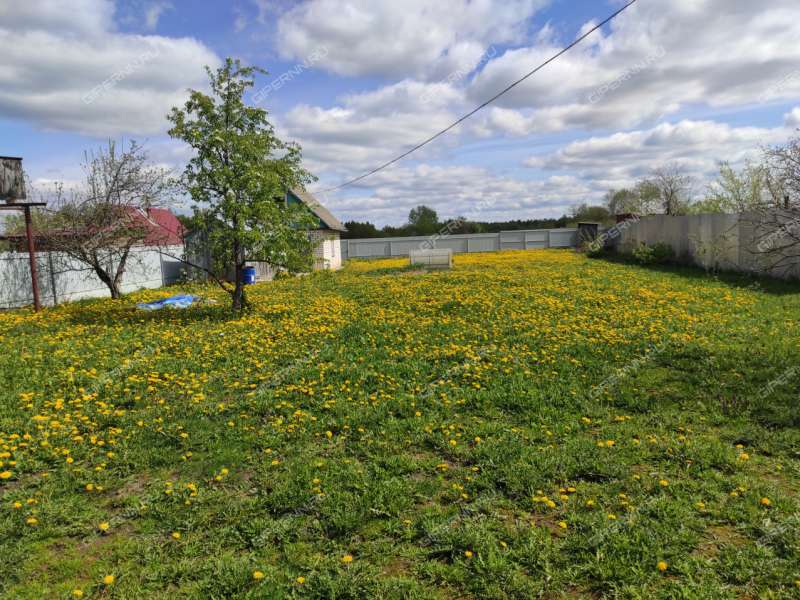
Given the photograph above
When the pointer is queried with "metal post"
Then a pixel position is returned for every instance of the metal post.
(32, 256)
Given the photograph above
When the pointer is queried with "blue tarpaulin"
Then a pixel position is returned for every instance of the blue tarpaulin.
(179, 301)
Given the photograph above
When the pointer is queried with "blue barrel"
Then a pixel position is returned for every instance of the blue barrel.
(248, 275)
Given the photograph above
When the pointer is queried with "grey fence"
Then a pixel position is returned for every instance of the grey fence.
(462, 243)
(61, 279)
(744, 242)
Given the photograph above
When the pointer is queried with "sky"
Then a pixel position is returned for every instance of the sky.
(357, 82)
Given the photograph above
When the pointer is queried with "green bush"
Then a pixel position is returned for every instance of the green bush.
(657, 254)
(593, 248)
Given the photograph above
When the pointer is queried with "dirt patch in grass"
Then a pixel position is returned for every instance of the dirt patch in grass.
(715, 538)
(398, 567)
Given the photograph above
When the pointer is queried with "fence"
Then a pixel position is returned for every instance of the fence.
(731, 242)
(61, 279)
(461, 243)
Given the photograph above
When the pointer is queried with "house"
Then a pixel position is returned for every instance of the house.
(327, 254)
(156, 228)
(326, 232)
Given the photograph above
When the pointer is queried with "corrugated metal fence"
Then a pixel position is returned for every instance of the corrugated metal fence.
(462, 243)
(61, 279)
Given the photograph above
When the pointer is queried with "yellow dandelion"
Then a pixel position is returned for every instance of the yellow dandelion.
(765, 501)
(661, 566)
(109, 580)
(347, 558)
(77, 593)
(176, 535)
(257, 575)
(6, 475)
(104, 526)
(301, 580)
(468, 553)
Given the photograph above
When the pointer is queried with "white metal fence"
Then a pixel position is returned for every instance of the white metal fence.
(62, 279)
(462, 243)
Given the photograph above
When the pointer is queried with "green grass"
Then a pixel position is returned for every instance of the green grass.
(529, 424)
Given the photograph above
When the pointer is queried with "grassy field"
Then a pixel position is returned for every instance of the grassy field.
(530, 424)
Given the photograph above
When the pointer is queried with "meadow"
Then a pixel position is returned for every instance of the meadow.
(528, 425)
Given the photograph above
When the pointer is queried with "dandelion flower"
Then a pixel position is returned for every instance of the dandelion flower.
(765, 501)
(663, 483)
(258, 575)
(468, 553)
(176, 535)
(32, 521)
(109, 579)
(301, 580)
(347, 558)
(5, 475)
(661, 566)
(104, 526)
(562, 524)
(77, 593)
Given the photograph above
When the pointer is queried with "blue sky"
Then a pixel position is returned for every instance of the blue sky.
(693, 82)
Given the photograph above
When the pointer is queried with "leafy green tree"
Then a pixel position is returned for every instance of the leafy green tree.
(423, 220)
(623, 201)
(736, 192)
(239, 177)
(592, 214)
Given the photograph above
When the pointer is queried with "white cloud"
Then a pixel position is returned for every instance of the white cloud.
(153, 14)
(660, 55)
(618, 160)
(472, 192)
(55, 54)
(372, 127)
(416, 38)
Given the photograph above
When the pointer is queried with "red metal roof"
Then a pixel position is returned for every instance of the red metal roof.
(164, 227)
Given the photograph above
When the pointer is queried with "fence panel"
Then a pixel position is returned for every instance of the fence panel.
(460, 243)
(62, 279)
(723, 241)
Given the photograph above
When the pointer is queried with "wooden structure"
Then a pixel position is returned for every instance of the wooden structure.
(12, 192)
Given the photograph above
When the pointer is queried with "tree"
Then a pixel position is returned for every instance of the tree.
(239, 176)
(776, 225)
(735, 192)
(782, 176)
(593, 214)
(423, 220)
(674, 187)
(98, 223)
(358, 230)
(623, 202)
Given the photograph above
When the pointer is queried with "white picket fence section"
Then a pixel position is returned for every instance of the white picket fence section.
(61, 279)
(461, 243)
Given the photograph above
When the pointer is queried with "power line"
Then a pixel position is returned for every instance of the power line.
(485, 104)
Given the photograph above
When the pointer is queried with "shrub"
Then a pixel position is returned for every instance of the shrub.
(657, 254)
(593, 248)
